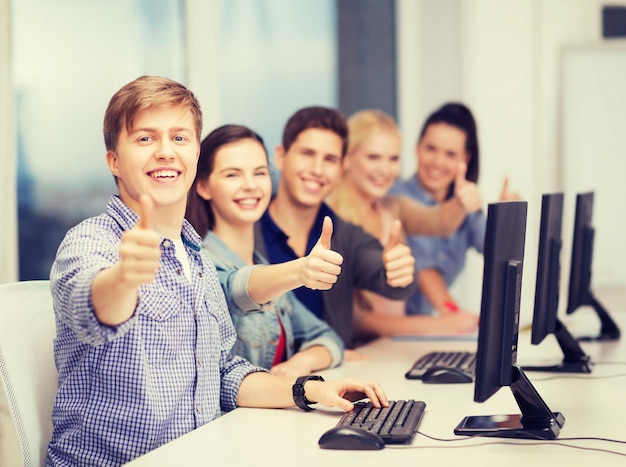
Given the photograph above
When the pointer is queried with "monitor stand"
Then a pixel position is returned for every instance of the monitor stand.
(608, 328)
(575, 360)
(536, 421)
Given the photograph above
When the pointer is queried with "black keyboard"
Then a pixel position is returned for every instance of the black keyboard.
(463, 362)
(394, 424)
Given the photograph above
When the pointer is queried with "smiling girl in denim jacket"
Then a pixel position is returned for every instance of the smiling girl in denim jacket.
(274, 330)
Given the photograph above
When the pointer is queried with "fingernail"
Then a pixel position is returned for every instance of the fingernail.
(451, 306)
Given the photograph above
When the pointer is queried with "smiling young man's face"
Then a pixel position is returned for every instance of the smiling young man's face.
(311, 167)
(158, 157)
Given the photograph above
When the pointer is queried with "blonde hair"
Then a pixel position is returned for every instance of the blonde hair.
(361, 125)
(364, 123)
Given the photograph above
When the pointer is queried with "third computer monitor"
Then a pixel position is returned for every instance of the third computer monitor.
(545, 315)
(580, 292)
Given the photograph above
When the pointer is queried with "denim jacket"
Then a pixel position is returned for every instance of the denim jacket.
(257, 326)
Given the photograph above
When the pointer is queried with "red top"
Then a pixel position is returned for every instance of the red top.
(281, 347)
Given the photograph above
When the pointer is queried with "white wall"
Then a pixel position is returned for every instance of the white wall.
(509, 74)
(202, 56)
(429, 56)
(8, 153)
(593, 103)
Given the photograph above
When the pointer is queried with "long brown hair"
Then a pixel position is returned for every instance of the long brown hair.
(199, 212)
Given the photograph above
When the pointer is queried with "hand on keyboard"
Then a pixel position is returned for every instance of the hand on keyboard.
(342, 393)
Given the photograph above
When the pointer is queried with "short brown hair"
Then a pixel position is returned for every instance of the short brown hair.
(138, 95)
(323, 118)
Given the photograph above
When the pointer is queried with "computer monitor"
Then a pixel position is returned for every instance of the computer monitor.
(580, 292)
(545, 315)
(496, 355)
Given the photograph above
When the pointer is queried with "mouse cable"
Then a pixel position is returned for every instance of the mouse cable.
(576, 438)
(525, 442)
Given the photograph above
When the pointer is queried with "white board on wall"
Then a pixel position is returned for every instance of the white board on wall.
(593, 152)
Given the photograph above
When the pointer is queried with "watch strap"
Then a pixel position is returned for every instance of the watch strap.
(299, 397)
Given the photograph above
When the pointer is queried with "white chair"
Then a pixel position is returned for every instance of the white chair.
(27, 370)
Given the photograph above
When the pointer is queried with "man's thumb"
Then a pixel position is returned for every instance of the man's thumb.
(394, 234)
(461, 174)
(146, 210)
(327, 232)
(505, 188)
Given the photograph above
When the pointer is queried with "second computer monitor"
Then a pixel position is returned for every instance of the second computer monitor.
(548, 267)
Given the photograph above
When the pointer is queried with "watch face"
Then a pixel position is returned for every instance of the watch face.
(298, 390)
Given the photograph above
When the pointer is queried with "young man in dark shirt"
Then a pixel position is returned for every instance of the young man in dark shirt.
(310, 159)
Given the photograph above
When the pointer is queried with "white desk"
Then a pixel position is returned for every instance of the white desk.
(592, 406)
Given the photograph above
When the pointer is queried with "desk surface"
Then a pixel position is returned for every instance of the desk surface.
(593, 405)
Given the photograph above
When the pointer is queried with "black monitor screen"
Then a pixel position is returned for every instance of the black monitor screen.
(548, 267)
(582, 244)
(499, 309)
(545, 316)
(496, 355)
(580, 292)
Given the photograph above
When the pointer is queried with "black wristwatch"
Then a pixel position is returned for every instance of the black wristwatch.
(298, 392)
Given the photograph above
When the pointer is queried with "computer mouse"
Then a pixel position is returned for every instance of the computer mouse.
(350, 437)
(446, 375)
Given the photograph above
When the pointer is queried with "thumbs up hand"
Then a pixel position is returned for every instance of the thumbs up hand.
(140, 250)
(319, 270)
(506, 194)
(398, 260)
(146, 212)
(466, 191)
